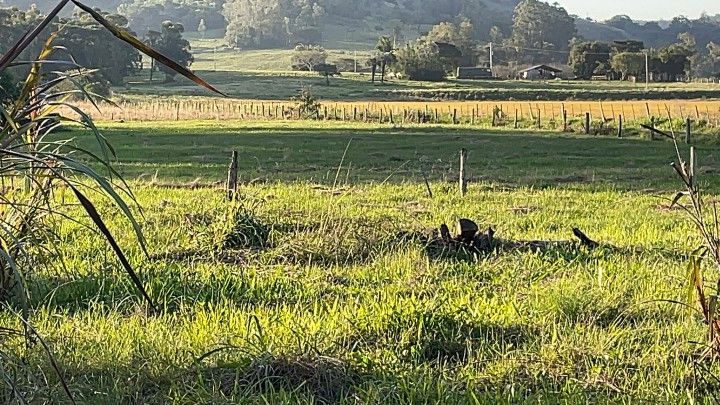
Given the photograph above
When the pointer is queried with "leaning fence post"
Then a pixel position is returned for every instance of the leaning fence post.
(232, 177)
(688, 131)
(463, 180)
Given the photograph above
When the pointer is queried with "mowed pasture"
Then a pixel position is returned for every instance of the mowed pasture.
(313, 289)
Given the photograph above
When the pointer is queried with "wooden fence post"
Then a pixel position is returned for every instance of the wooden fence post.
(565, 122)
(516, 118)
(587, 123)
(463, 180)
(455, 121)
(652, 125)
(620, 126)
(232, 177)
(688, 131)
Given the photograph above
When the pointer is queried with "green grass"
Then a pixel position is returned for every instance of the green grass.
(312, 151)
(331, 305)
(266, 75)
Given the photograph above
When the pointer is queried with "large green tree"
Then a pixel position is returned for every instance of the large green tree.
(269, 23)
(629, 64)
(460, 35)
(93, 46)
(170, 42)
(539, 29)
(588, 59)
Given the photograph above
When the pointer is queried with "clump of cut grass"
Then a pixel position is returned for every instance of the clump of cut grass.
(241, 229)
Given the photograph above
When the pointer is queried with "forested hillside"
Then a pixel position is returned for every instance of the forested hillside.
(271, 23)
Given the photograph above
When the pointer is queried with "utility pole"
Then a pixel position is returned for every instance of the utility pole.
(491, 57)
(647, 71)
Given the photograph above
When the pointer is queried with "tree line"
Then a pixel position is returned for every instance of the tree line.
(88, 45)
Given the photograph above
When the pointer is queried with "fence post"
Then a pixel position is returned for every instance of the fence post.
(652, 125)
(455, 121)
(688, 131)
(463, 181)
(620, 126)
(565, 124)
(232, 177)
(516, 118)
(587, 123)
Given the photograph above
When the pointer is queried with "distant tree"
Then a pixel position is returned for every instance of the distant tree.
(675, 59)
(202, 28)
(373, 62)
(13, 24)
(587, 57)
(385, 47)
(308, 57)
(94, 47)
(461, 36)
(170, 42)
(308, 105)
(629, 64)
(423, 60)
(9, 88)
(539, 27)
(267, 23)
(327, 70)
(142, 14)
(713, 59)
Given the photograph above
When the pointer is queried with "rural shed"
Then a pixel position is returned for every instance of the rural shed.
(474, 73)
(539, 72)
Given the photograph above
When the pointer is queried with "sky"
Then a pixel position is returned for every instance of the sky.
(640, 9)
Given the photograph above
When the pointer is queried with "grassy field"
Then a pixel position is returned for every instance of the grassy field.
(311, 151)
(267, 75)
(309, 293)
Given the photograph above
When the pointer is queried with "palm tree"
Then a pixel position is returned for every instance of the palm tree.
(386, 47)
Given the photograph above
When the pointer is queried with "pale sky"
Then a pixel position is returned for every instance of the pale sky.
(640, 9)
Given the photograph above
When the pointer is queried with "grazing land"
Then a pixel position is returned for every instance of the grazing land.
(310, 288)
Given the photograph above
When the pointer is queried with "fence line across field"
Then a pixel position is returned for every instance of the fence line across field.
(513, 114)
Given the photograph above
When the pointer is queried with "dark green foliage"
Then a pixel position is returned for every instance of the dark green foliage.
(92, 46)
(9, 88)
(540, 28)
(244, 230)
(170, 42)
(308, 57)
(14, 23)
(423, 60)
(152, 13)
(588, 59)
(308, 104)
(271, 23)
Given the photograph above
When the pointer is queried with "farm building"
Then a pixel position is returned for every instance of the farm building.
(539, 72)
(474, 73)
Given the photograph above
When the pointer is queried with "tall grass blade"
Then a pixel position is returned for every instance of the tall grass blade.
(95, 216)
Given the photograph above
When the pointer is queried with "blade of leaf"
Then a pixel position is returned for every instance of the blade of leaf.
(124, 35)
(95, 216)
(26, 39)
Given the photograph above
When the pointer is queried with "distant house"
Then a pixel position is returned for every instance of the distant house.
(539, 72)
(474, 73)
